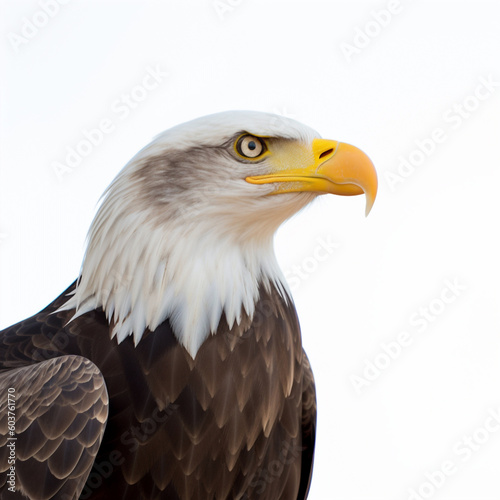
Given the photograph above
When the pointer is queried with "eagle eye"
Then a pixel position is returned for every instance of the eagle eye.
(250, 146)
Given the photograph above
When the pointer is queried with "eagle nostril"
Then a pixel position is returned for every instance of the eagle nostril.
(324, 153)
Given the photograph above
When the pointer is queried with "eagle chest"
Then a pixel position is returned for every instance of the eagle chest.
(227, 417)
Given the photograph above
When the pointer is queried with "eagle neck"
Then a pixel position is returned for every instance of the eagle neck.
(191, 275)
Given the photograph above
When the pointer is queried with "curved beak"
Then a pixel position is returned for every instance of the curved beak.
(337, 168)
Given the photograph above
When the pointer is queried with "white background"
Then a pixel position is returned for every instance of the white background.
(440, 222)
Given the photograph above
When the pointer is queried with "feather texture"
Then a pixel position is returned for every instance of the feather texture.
(173, 367)
(235, 422)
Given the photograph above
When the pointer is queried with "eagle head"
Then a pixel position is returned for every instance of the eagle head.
(185, 230)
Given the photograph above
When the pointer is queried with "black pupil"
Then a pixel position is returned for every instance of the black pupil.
(252, 145)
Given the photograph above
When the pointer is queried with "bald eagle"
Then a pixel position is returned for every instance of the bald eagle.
(173, 367)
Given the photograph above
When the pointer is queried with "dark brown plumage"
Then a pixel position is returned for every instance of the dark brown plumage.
(181, 317)
(238, 421)
(61, 407)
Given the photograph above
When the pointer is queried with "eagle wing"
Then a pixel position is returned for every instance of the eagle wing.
(52, 419)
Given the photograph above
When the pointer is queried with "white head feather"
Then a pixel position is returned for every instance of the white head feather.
(181, 235)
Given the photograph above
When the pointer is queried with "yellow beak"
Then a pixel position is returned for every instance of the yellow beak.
(337, 168)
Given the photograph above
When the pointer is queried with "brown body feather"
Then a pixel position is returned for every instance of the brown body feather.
(236, 422)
